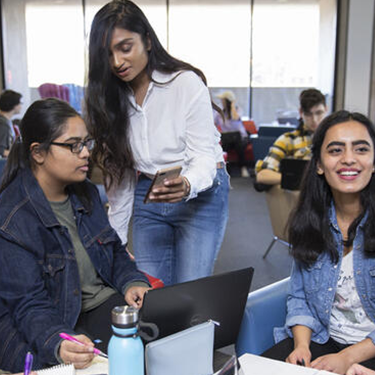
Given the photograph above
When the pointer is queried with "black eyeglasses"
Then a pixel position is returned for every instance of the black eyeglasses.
(77, 147)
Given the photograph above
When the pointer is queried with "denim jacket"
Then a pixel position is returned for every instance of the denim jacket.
(312, 289)
(40, 294)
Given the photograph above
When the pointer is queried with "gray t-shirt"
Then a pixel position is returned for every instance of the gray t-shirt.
(94, 290)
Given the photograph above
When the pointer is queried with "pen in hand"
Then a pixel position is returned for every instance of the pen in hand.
(65, 336)
(301, 363)
(28, 363)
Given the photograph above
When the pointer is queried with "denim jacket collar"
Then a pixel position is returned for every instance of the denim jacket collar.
(332, 217)
(39, 201)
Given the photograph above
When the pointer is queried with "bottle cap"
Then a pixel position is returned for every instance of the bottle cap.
(124, 316)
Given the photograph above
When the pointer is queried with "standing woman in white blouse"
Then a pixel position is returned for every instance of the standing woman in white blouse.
(149, 111)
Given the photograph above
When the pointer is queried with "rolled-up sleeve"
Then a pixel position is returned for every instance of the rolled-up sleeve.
(299, 312)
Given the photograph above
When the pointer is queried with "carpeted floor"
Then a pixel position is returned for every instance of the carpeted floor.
(248, 235)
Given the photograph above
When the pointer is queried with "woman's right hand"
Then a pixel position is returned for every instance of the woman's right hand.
(301, 355)
(79, 355)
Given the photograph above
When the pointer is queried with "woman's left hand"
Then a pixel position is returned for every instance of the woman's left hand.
(173, 191)
(134, 296)
(357, 369)
(337, 363)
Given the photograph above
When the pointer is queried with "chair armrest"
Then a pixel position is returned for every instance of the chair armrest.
(265, 309)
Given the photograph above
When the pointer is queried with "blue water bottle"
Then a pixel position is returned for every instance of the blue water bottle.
(125, 348)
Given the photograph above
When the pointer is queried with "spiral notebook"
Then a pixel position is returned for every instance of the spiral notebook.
(58, 370)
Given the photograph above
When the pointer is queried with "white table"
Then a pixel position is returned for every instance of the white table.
(250, 365)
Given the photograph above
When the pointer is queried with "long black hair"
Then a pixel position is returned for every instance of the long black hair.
(44, 121)
(309, 231)
(107, 104)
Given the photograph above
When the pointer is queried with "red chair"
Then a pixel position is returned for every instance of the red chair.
(250, 126)
(249, 154)
(155, 282)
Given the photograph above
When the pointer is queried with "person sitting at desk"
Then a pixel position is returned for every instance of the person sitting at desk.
(232, 125)
(330, 321)
(63, 267)
(295, 144)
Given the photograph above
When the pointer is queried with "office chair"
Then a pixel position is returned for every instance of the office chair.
(265, 309)
(280, 204)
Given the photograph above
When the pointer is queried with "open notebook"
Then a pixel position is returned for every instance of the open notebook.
(58, 370)
(99, 366)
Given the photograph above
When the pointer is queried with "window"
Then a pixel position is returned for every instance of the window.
(266, 53)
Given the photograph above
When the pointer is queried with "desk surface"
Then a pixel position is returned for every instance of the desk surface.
(250, 365)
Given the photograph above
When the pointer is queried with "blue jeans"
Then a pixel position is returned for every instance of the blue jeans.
(178, 242)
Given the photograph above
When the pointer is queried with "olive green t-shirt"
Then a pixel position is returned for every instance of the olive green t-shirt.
(94, 290)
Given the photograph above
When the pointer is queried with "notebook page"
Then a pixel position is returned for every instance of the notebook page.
(58, 370)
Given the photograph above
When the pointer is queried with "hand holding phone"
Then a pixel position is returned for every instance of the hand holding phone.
(160, 177)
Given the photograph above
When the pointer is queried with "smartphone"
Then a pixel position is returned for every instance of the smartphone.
(160, 176)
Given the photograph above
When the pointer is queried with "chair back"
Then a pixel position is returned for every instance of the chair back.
(250, 126)
(274, 130)
(265, 309)
(261, 146)
(280, 204)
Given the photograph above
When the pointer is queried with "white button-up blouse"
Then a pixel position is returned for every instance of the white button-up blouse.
(173, 127)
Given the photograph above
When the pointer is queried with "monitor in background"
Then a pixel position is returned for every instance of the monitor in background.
(221, 298)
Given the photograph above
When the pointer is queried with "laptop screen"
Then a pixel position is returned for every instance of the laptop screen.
(221, 298)
(292, 171)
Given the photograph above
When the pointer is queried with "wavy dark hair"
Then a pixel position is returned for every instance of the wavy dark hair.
(44, 121)
(309, 231)
(307, 99)
(107, 104)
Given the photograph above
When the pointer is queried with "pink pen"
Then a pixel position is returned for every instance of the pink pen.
(65, 336)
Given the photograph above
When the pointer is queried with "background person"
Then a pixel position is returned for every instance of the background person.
(63, 267)
(148, 111)
(330, 323)
(295, 144)
(238, 139)
(10, 105)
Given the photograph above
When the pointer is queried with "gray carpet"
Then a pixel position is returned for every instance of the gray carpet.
(248, 235)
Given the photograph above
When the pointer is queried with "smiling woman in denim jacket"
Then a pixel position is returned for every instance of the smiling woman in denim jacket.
(63, 267)
(331, 303)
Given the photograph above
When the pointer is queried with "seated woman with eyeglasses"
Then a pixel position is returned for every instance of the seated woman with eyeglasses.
(63, 267)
